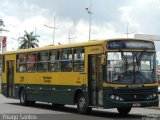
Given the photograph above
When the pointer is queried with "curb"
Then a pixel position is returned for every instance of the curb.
(157, 108)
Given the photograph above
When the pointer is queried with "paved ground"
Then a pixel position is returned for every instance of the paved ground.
(12, 108)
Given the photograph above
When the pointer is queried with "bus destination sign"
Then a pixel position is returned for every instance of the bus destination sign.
(130, 44)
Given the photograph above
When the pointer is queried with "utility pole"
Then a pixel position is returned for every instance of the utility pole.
(69, 36)
(127, 33)
(89, 11)
(54, 28)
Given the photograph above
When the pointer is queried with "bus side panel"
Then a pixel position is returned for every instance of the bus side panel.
(41, 93)
(64, 95)
(4, 89)
(61, 94)
(16, 92)
(66, 83)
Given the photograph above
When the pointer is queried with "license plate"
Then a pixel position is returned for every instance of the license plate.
(136, 104)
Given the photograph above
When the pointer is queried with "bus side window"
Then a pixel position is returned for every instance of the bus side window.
(66, 60)
(42, 61)
(32, 62)
(78, 61)
(54, 63)
(21, 62)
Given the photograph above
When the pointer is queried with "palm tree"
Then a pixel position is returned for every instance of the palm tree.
(1, 25)
(29, 40)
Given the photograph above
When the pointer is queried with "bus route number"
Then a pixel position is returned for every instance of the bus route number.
(21, 78)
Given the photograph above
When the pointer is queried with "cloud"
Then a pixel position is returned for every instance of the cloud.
(109, 19)
(142, 15)
(79, 28)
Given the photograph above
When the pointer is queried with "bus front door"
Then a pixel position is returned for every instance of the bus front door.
(10, 78)
(95, 81)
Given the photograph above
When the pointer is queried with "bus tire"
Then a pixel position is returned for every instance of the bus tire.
(23, 97)
(124, 111)
(82, 105)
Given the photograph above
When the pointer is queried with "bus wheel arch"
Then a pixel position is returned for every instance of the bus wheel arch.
(20, 89)
(124, 111)
(81, 101)
(23, 96)
(77, 93)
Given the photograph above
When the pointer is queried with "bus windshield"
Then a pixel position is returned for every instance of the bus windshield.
(130, 67)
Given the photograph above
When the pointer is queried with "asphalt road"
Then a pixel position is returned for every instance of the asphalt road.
(10, 109)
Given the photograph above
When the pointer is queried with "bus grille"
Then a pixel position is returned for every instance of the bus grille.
(134, 94)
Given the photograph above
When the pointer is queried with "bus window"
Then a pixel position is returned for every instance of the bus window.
(54, 57)
(66, 60)
(31, 63)
(78, 61)
(21, 62)
(42, 62)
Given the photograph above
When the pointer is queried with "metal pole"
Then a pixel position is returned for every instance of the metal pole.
(89, 11)
(54, 29)
(35, 31)
(127, 29)
(90, 20)
(18, 40)
(69, 36)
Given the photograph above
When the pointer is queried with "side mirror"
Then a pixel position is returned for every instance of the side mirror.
(103, 59)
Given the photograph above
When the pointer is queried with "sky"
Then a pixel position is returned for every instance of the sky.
(109, 19)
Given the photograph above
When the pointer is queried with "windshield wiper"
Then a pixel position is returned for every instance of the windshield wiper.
(138, 59)
(124, 59)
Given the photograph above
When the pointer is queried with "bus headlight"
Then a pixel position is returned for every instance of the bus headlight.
(154, 95)
(121, 99)
(116, 98)
(112, 97)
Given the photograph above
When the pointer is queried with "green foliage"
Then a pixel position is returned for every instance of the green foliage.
(29, 40)
(1, 25)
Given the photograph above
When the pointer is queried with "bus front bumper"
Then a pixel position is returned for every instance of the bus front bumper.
(108, 103)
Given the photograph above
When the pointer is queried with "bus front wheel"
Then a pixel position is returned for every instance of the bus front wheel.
(124, 111)
(82, 105)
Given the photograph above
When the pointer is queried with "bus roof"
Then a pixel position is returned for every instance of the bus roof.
(81, 44)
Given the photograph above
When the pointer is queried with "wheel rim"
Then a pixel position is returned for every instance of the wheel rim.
(22, 97)
(82, 103)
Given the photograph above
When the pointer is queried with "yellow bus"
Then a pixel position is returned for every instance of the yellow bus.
(113, 73)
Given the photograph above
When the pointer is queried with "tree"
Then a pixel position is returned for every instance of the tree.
(1, 25)
(29, 40)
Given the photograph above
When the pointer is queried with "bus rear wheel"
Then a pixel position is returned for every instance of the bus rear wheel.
(124, 111)
(23, 97)
(82, 105)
